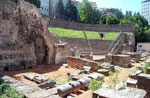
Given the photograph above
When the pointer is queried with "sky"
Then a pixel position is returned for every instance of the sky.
(130, 5)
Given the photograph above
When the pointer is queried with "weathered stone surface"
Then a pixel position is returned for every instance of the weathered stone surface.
(84, 81)
(77, 77)
(40, 79)
(29, 76)
(62, 51)
(24, 39)
(37, 79)
(134, 75)
(103, 71)
(135, 55)
(121, 60)
(29, 91)
(87, 68)
(80, 63)
(48, 84)
(144, 81)
(54, 96)
(86, 57)
(76, 86)
(64, 90)
(125, 93)
(131, 83)
(96, 76)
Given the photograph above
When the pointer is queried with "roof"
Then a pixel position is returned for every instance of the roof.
(145, 1)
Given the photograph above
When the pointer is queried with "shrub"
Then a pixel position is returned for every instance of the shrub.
(144, 69)
(113, 78)
(7, 92)
(94, 84)
(147, 64)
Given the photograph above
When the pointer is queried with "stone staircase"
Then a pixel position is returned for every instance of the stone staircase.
(122, 44)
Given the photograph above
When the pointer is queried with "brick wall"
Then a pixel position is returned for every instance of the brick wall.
(121, 60)
(80, 63)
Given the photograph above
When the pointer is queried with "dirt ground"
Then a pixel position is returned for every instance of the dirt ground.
(51, 71)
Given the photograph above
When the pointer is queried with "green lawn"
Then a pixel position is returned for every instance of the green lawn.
(59, 32)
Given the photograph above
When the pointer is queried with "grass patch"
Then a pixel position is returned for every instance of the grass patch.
(59, 81)
(8, 92)
(94, 84)
(113, 79)
(68, 33)
(144, 69)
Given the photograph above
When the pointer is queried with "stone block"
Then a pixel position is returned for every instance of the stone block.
(86, 57)
(135, 74)
(40, 79)
(96, 76)
(121, 60)
(131, 83)
(80, 63)
(64, 90)
(76, 86)
(125, 93)
(47, 84)
(144, 81)
(134, 55)
(103, 71)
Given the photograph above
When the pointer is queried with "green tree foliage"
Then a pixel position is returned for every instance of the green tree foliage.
(142, 28)
(118, 13)
(70, 11)
(37, 3)
(60, 11)
(103, 19)
(85, 11)
(96, 16)
(127, 19)
(112, 19)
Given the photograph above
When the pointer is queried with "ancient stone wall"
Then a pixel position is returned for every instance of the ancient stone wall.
(24, 38)
(62, 51)
(80, 63)
(121, 60)
(99, 47)
(90, 27)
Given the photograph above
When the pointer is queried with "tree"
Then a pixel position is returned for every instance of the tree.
(142, 28)
(103, 19)
(112, 19)
(96, 16)
(128, 18)
(60, 12)
(71, 11)
(85, 11)
(37, 3)
(118, 13)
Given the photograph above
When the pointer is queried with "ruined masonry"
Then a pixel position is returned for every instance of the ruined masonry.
(24, 38)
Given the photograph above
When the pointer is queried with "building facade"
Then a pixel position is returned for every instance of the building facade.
(145, 9)
(45, 7)
(143, 47)
(48, 7)
(94, 5)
